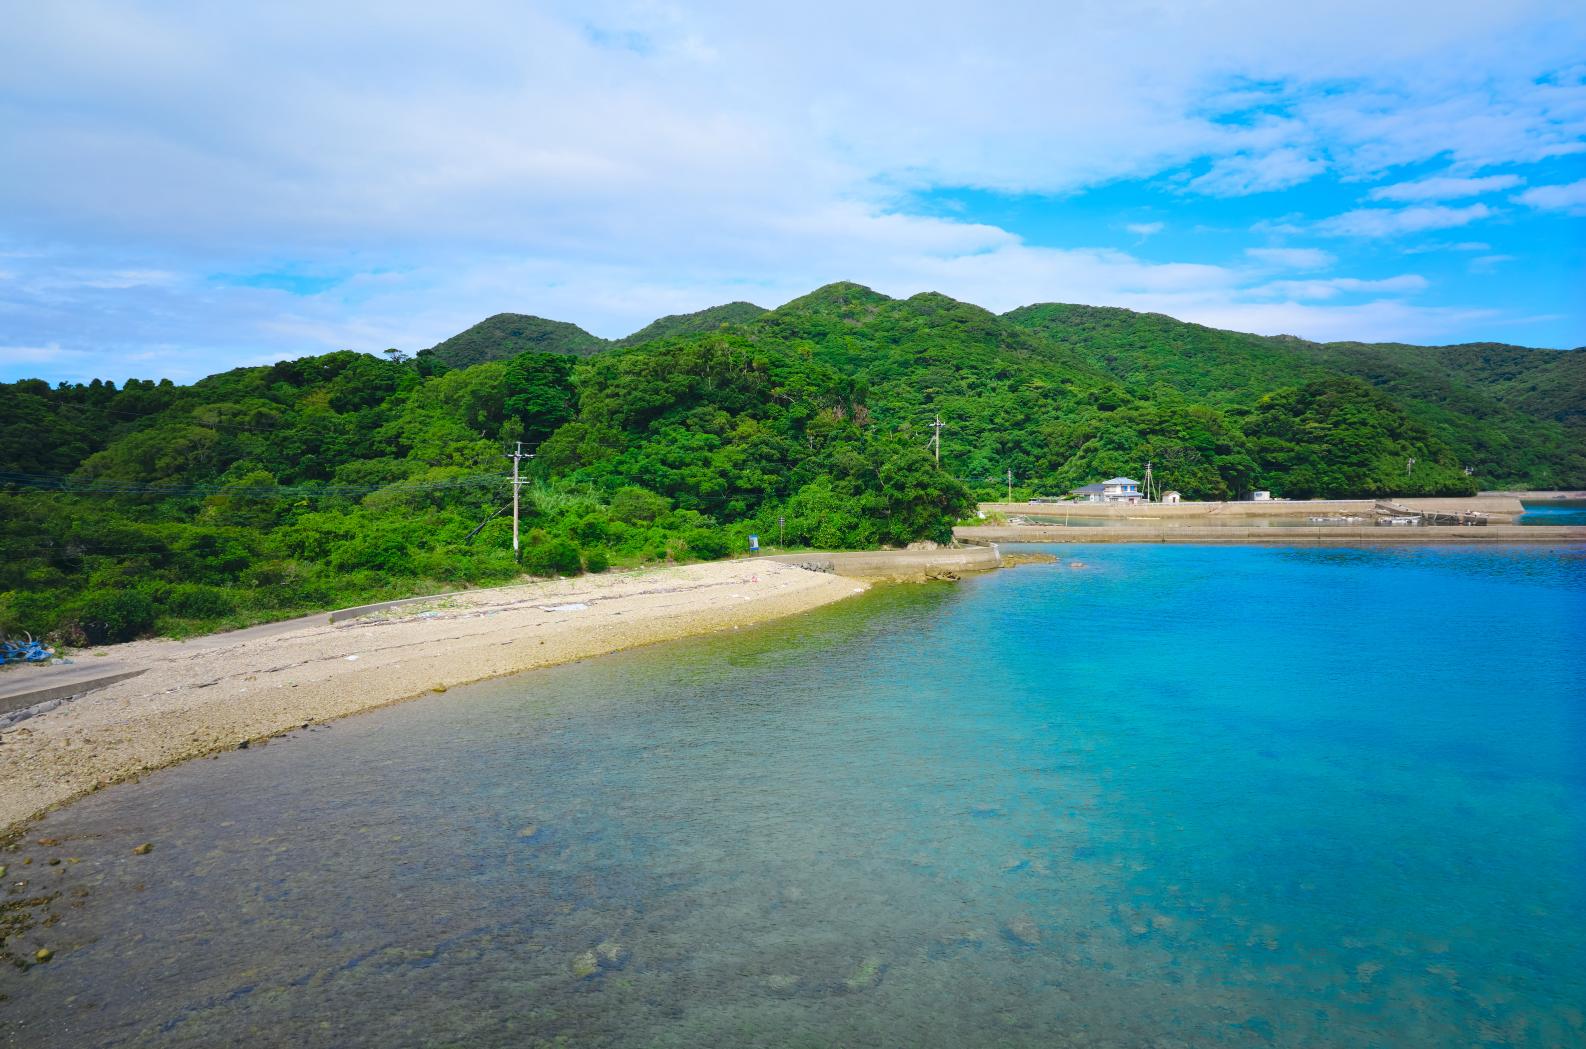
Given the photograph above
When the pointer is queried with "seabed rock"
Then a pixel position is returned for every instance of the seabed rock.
(144, 849)
(866, 975)
(1022, 931)
(43, 954)
(585, 965)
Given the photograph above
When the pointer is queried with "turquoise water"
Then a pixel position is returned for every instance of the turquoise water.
(1554, 512)
(1181, 796)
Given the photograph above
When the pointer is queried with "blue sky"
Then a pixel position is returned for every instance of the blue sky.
(189, 189)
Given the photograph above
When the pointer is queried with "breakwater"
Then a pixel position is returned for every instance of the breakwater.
(1322, 535)
(1498, 507)
(896, 564)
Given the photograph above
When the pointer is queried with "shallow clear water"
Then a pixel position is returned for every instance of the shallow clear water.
(1553, 512)
(1182, 796)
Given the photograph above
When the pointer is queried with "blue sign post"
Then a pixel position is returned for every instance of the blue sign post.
(754, 544)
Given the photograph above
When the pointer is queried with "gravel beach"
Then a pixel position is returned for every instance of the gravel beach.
(213, 693)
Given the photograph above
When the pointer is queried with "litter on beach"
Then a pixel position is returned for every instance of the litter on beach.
(576, 606)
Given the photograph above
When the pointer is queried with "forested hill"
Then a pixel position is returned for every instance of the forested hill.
(263, 492)
(509, 334)
(693, 323)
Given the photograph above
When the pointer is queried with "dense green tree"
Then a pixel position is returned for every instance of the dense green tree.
(260, 492)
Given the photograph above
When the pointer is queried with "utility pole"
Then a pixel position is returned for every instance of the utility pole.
(936, 438)
(1010, 484)
(517, 484)
(1148, 482)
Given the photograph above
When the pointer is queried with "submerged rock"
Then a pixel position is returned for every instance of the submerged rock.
(865, 976)
(782, 984)
(612, 955)
(585, 965)
(1023, 931)
(144, 849)
(529, 831)
(43, 954)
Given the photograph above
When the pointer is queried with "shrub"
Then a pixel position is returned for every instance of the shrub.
(706, 544)
(112, 615)
(637, 506)
(596, 560)
(380, 553)
(557, 557)
(197, 601)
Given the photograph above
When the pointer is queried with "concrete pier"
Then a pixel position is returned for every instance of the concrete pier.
(1500, 508)
(1337, 535)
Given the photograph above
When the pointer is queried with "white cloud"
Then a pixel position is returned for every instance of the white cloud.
(1463, 245)
(1243, 174)
(609, 161)
(1146, 229)
(1389, 222)
(1489, 263)
(30, 355)
(1293, 258)
(1327, 289)
(1444, 188)
(1570, 197)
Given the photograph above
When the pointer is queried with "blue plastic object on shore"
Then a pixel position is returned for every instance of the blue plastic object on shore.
(28, 651)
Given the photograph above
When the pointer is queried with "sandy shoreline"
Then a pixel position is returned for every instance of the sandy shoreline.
(212, 693)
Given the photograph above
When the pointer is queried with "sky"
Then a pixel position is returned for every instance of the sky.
(188, 188)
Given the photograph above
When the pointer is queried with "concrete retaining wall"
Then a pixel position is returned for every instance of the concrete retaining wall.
(896, 563)
(27, 686)
(1274, 536)
(1495, 505)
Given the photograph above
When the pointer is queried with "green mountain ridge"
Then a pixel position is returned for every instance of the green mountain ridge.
(262, 492)
(506, 335)
(509, 334)
(679, 324)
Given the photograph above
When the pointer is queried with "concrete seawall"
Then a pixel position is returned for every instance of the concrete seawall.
(1496, 506)
(1297, 536)
(881, 564)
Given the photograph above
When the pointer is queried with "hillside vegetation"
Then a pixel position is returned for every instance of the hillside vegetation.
(263, 492)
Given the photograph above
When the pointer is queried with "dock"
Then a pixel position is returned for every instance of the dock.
(1299, 535)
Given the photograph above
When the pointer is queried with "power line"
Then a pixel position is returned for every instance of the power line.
(96, 486)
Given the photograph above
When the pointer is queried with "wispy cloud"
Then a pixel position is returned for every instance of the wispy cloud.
(1245, 173)
(1293, 258)
(1489, 263)
(1462, 245)
(610, 161)
(1390, 222)
(1444, 188)
(1327, 289)
(1569, 197)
